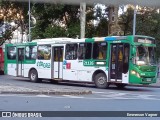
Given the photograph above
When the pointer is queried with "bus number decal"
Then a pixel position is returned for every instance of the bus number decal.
(44, 65)
(88, 63)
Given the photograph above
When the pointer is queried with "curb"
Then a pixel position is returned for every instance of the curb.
(47, 93)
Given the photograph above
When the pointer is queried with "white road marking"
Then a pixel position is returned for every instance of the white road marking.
(71, 96)
(43, 96)
(98, 92)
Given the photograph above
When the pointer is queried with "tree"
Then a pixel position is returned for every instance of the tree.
(97, 21)
(147, 23)
(67, 17)
(53, 16)
(12, 12)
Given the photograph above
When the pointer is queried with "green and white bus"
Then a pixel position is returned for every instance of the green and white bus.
(118, 60)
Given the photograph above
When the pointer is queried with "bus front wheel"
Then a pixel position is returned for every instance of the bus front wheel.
(33, 75)
(101, 81)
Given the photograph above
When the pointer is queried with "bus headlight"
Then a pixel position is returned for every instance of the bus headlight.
(138, 75)
(135, 73)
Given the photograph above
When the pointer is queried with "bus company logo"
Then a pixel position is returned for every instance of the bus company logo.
(44, 65)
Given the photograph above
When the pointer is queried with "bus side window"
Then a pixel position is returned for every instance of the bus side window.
(44, 52)
(31, 52)
(81, 51)
(88, 50)
(71, 51)
(99, 50)
(11, 53)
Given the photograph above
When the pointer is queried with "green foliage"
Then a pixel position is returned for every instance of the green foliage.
(96, 14)
(50, 17)
(54, 31)
(73, 30)
(102, 28)
(12, 11)
(147, 23)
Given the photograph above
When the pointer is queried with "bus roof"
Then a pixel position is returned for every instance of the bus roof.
(57, 40)
(113, 38)
(144, 36)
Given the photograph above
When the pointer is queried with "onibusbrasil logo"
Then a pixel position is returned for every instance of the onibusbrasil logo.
(43, 64)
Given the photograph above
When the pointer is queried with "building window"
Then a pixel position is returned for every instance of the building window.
(99, 50)
(11, 53)
(44, 52)
(71, 51)
(31, 52)
(85, 51)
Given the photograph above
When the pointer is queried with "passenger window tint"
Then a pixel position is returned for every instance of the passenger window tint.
(44, 52)
(85, 51)
(71, 51)
(11, 53)
(99, 50)
(31, 52)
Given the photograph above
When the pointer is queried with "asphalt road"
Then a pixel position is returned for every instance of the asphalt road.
(129, 99)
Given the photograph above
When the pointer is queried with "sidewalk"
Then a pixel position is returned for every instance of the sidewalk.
(10, 89)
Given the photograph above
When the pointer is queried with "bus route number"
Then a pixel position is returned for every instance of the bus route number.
(89, 63)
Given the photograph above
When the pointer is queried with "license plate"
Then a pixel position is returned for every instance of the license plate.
(148, 79)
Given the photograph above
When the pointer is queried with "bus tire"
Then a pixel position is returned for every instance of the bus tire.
(33, 75)
(121, 86)
(100, 81)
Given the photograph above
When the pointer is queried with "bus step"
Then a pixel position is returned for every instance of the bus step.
(59, 79)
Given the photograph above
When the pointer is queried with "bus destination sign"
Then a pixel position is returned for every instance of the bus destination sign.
(144, 40)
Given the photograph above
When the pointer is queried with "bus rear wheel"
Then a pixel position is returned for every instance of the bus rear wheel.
(100, 81)
(33, 75)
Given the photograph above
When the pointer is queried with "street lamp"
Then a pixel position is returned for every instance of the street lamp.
(134, 20)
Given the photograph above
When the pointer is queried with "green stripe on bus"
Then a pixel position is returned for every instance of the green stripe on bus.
(22, 44)
(89, 40)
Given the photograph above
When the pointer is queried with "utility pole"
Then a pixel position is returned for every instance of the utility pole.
(29, 12)
(82, 19)
(134, 19)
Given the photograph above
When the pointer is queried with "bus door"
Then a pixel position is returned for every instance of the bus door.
(1, 60)
(119, 63)
(20, 62)
(57, 58)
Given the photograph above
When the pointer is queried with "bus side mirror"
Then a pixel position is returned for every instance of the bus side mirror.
(133, 51)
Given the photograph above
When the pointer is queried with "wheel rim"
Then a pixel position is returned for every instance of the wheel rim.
(101, 80)
(33, 76)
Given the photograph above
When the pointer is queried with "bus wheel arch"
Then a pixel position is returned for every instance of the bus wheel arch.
(33, 75)
(100, 79)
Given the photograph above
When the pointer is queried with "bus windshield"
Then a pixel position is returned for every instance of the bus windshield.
(145, 55)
